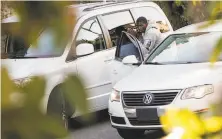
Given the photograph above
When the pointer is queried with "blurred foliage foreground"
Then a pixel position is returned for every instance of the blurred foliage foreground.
(184, 124)
(22, 117)
(21, 107)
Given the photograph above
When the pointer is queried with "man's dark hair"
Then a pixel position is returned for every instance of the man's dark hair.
(142, 19)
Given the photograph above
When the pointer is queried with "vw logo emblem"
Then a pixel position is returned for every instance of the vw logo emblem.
(148, 98)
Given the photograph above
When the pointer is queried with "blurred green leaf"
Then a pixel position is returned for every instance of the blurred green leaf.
(178, 2)
(51, 126)
(217, 51)
(31, 124)
(195, 2)
(36, 16)
(7, 88)
(207, 24)
(216, 10)
(27, 121)
(75, 92)
(34, 90)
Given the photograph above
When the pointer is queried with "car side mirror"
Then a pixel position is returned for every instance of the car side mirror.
(84, 49)
(131, 59)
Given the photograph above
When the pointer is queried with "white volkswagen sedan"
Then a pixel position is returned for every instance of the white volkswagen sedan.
(177, 73)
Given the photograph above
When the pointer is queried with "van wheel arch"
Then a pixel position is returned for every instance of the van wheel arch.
(54, 100)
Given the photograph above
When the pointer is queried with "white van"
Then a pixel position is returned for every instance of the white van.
(96, 22)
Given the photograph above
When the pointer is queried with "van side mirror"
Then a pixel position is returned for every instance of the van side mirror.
(84, 49)
(131, 59)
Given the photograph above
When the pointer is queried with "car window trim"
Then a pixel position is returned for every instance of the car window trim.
(132, 15)
(105, 31)
(88, 19)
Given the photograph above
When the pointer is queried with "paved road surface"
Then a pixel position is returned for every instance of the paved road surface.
(102, 129)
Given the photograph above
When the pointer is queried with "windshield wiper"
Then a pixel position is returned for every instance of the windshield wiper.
(154, 63)
(189, 62)
(183, 62)
(22, 57)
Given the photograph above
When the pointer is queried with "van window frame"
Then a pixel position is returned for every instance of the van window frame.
(72, 55)
(106, 29)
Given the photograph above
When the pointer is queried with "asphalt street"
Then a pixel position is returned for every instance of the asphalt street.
(102, 129)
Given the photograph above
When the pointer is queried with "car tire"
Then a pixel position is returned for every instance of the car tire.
(60, 108)
(131, 133)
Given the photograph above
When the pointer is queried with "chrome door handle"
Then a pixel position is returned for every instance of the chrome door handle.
(107, 60)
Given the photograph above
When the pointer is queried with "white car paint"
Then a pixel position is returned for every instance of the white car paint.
(94, 69)
(168, 78)
(178, 76)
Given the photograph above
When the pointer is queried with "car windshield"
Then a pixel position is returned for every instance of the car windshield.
(186, 48)
(15, 47)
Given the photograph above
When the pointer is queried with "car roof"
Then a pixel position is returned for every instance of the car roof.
(83, 9)
(79, 8)
(217, 26)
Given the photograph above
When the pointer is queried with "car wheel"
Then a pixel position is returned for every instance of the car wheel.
(60, 108)
(131, 133)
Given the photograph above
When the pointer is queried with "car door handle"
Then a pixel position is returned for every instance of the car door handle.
(115, 72)
(108, 59)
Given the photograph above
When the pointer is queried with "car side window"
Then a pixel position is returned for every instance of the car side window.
(116, 23)
(153, 15)
(91, 32)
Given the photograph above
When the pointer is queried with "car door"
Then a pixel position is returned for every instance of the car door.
(129, 45)
(115, 23)
(92, 68)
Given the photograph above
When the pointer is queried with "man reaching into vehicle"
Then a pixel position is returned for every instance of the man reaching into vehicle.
(147, 33)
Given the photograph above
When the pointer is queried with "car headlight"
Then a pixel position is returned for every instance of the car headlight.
(115, 95)
(197, 92)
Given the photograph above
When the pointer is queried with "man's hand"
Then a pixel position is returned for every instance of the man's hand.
(131, 31)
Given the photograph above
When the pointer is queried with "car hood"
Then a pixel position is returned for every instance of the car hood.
(162, 77)
(21, 68)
